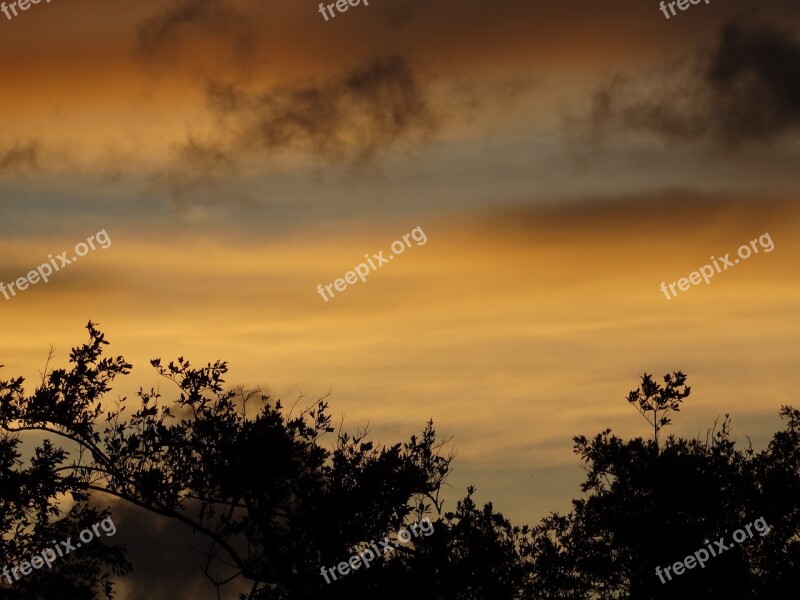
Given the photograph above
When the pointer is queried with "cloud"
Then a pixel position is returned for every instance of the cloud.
(344, 125)
(162, 32)
(756, 78)
(747, 89)
(167, 558)
(352, 117)
(202, 172)
(347, 120)
(344, 120)
(210, 158)
(22, 156)
(641, 213)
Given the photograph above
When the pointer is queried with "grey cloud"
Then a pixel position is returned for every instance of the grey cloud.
(167, 559)
(746, 89)
(224, 98)
(162, 31)
(755, 76)
(685, 211)
(202, 172)
(21, 156)
(352, 117)
(347, 120)
(344, 120)
(210, 158)
(350, 120)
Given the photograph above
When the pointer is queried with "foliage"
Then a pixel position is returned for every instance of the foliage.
(273, 502)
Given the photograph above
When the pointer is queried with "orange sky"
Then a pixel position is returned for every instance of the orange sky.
(563, 159)
(513, 331)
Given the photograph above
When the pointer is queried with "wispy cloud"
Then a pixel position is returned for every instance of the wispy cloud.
(161, 32)
(351, 117)
(20, 157)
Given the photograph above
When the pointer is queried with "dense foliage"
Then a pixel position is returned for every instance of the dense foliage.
(274, 500)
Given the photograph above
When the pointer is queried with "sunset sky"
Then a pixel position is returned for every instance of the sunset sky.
(563, 159)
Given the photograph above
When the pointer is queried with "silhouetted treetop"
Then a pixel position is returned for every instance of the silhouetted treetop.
(271, 500)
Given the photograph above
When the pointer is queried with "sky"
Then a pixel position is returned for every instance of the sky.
(562, 159)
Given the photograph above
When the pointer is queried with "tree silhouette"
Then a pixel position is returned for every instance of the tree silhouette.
(33, 517)
(271, 503)
(272, 500)
(647, 506)
(650, 397)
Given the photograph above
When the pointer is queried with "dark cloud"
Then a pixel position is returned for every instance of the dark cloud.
(161, 32)
(346, 120)
(684, 212)
(352, 117)
(202, 173)
(747, 89)
(21, 156)
(224, 98)
(209, 158)
(343, 121)
(755, 76)
(167, 558)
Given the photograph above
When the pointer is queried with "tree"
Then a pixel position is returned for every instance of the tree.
(650, 397)
(647, 506)
(272, 504)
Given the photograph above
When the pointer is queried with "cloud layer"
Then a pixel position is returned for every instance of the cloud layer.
(21, 156)
(350, 117)
(747, 89)
(161, 32)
